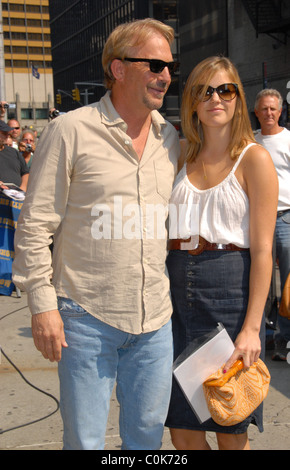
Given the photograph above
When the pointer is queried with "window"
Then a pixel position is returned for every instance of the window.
(27, 113)
(12, 7)
(41, 113)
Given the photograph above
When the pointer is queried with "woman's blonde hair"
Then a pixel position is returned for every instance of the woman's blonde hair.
(129, 35)
(201, 75)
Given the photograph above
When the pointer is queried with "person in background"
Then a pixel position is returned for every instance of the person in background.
(53, 113)
(16, 131)
(3, 108)
(276, 140)
(220, 267)
(106, 316)
(13, 168)
(27, 146)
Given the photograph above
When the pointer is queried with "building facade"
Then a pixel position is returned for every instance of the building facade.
(26, 79)
(51, 50)
(79, 31)
(254, 34)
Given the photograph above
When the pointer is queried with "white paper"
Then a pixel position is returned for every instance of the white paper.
(203, 362)
(14, 194)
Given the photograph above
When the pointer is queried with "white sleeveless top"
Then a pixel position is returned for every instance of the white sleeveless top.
(219, 214)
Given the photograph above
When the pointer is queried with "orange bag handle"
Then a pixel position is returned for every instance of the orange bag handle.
(238, 365)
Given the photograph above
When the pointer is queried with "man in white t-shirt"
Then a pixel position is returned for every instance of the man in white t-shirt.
(276, 140)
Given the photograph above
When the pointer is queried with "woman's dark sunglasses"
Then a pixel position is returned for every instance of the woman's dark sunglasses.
(226, 91)
(156, 66)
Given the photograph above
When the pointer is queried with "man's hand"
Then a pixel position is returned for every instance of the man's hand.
(48, 334)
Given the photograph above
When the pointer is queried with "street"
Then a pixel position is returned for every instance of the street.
(21, 404)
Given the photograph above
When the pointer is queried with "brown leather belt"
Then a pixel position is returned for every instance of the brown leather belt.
(175, 244)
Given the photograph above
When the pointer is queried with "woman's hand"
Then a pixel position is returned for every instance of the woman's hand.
(247, 347)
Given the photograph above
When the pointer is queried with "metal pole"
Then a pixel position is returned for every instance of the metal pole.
(2, 62)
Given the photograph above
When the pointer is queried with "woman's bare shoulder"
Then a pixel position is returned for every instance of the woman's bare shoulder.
(257, 165)
(257, 153)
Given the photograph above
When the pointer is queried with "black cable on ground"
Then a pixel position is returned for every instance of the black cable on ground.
(2, 431)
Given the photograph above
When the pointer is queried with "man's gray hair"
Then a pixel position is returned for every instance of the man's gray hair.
(269, 92)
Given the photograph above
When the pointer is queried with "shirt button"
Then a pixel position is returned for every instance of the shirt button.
(127, 142)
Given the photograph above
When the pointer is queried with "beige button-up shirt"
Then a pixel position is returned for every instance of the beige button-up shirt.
(106, 211)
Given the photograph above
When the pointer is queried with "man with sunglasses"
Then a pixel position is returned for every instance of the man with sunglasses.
(97, 170)
(15, 133)
(13, 168)
(3, 108)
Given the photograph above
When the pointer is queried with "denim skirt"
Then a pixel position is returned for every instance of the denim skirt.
(207, 289)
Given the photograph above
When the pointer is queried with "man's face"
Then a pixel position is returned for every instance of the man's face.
(268, 112)
(2, 109)
(28, 138)
(15, 132)
(143, 87)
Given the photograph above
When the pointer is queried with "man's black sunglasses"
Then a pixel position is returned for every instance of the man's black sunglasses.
(156, 66)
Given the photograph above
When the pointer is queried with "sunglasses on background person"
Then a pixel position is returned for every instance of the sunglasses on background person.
(156, 66)
(226, 91)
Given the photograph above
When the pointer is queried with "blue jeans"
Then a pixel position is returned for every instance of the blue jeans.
(99, 355)
(283, 255)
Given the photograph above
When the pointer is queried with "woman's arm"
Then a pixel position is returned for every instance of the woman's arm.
(261, 184)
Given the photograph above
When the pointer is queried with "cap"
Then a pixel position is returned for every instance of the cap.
(4, 127)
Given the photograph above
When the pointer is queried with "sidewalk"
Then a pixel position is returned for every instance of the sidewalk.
(19, 403)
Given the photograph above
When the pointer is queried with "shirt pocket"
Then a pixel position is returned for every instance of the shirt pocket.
(164, 177)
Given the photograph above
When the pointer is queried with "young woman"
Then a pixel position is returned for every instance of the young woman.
(233, 183)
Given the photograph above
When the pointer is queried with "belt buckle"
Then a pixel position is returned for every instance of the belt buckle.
(201, 247)
(221, 246)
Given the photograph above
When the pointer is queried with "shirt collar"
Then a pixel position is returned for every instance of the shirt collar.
(110, 117)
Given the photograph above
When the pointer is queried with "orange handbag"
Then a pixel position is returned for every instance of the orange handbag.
(233, 396)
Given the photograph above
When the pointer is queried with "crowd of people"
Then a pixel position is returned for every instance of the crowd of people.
(17, 147)
(118, 306)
